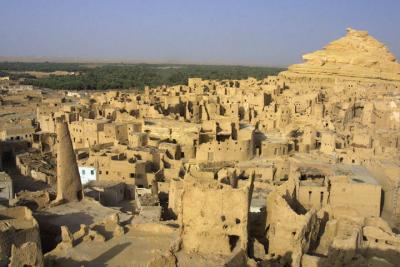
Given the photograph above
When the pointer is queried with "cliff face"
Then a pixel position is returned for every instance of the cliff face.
(356, 55)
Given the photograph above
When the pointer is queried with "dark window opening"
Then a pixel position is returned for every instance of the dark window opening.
(80, 195)
(233, 240)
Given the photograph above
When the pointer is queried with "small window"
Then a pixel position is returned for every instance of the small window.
(83, 172)
(92, 172)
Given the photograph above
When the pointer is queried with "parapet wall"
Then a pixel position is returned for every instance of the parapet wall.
(229, 150)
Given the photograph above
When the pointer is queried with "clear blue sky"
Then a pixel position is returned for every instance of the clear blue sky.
(250, 32)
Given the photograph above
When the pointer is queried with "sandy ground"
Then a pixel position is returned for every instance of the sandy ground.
(140, 245)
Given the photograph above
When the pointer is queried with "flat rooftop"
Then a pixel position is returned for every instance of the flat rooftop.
(356, 173)
(74, 214)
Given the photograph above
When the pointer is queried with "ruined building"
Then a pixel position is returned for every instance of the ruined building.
(298, 169)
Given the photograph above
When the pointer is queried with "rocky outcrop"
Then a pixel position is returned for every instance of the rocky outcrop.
(356, 55)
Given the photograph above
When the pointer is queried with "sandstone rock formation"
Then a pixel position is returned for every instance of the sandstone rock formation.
(356, 55)
(69, 187)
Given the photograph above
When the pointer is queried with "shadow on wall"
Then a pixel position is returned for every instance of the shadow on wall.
(22, 182)
(50, 227)
(382, 201)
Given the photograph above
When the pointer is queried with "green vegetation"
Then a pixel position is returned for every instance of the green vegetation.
(123, 76)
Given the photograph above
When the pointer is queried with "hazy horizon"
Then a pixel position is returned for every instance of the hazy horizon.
(255, 33)
(100, 61)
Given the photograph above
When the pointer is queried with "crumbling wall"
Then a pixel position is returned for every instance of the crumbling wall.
(345, 243)
(19, 231)
(214, 217)
(379, 241)
(357, 241)
(28, 254)
(289, 234)
(175, 197)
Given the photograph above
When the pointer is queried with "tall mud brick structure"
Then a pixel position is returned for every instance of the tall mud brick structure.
(69, 187)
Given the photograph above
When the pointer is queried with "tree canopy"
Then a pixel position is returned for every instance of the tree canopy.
(124, 76)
